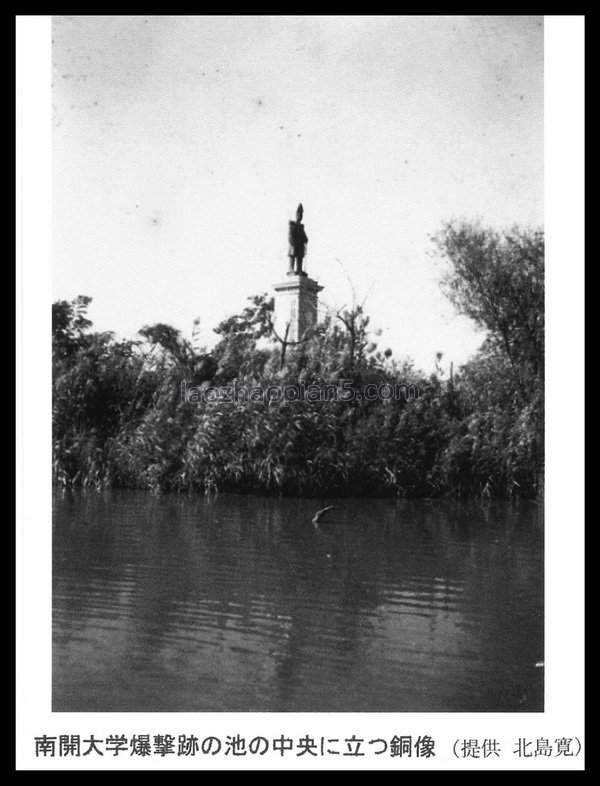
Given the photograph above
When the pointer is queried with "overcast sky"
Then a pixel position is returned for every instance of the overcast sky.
(182, 146)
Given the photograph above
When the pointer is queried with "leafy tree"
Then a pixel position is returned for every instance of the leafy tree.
(255, 320)
(497, 279)
(236, 354)
(69, 326)
(179, 354)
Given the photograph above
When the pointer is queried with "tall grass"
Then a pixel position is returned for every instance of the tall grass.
(120, 421)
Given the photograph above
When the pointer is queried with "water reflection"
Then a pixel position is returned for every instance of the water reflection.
(240, 604)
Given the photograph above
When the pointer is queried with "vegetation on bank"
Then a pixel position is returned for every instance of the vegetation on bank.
(119, 418)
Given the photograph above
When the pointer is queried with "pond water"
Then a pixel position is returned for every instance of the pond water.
(240, 604)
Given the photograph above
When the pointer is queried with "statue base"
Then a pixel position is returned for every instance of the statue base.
(296, 306)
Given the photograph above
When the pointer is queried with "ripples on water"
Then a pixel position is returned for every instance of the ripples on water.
(240, 605)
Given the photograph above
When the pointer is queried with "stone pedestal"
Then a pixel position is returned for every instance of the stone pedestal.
(296, 302)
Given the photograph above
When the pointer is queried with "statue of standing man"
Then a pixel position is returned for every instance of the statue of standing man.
(298, 241)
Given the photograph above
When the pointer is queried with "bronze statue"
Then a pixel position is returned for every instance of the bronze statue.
(298, 240)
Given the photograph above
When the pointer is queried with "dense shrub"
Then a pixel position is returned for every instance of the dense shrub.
(119, 418)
